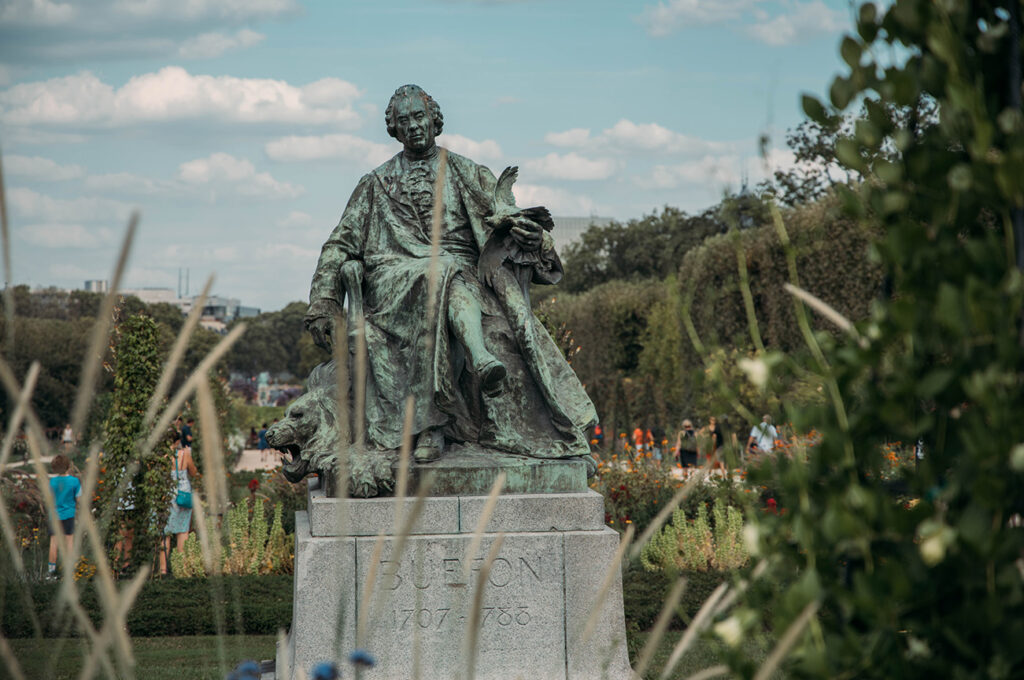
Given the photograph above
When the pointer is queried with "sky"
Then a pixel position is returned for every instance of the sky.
(239, 128)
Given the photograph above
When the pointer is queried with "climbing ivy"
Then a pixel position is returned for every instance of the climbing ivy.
(139, 505)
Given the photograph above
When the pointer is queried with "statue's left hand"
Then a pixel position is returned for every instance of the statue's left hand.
(528, 234)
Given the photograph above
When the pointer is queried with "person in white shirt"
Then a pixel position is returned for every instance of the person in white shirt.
(763, 436)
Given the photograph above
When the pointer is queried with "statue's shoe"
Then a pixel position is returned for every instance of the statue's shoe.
(429, 446)
(491, 373)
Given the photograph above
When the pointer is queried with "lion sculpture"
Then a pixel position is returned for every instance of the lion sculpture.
(309, 434)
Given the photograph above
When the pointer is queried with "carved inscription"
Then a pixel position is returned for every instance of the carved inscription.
(441, 619)
(504, 572)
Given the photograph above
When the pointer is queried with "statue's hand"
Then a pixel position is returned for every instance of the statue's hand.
(527, 234)
(320, 322)
(322, 330)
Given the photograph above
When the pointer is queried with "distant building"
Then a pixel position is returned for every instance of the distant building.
(97, 286)
(568, 229)
(218, 311)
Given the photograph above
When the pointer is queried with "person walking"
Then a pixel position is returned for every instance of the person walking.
(66, 490)
(180, 518)
(686, 445)
(716, 440)
(762, 436)
(67, 438)
(262, 444)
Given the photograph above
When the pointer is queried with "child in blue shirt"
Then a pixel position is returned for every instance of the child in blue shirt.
(66, 490)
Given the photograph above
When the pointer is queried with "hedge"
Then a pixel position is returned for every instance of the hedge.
(249, 605)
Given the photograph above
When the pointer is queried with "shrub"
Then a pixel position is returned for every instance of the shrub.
(693, 545)
(634, 490)
(245, 605)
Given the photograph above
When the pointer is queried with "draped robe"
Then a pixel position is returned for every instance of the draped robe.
(542, 410)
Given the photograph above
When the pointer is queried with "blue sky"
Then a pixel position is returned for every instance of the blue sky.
(240, 127)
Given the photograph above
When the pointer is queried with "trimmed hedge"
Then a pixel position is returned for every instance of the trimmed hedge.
(644, 594)
(249, 605)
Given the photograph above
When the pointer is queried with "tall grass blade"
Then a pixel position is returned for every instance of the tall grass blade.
(177, 353)
(5, 243)
(481, 525)
(473, 620)
(659, 520)
(660, 626)
(13, 667)
(606, 583)
(696, 626)
(787, 641)
(101, 332)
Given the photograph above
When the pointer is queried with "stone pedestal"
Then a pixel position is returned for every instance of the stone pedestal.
(540, 592)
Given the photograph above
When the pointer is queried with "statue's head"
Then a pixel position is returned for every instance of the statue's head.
(413, 118)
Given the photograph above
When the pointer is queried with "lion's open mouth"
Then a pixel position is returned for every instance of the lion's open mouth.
(294, 467)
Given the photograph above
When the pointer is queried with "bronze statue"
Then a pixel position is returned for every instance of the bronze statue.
(483, 372)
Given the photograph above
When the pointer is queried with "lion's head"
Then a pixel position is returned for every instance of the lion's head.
(308, 433)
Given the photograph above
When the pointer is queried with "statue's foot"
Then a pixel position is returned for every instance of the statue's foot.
(492, 372)
(429, 446)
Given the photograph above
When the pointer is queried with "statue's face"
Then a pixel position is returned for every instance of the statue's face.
(414, 126)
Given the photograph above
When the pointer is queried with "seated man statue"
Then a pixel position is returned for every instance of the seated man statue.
(455, 332)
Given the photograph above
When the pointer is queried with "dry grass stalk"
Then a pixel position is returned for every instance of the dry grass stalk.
(711, 672)
(177, 353)
(660, 626)
(827, 311)
(787, 641)
(481, 525)
(100, 336)
(7, 654)
(10, 536)
(199, 375)
(698, 624)
(741, 588)
(666, 512)
(606, 584)
(473, 619)
(437, 216)
(5, 243)
(359, 410)
(404, 456)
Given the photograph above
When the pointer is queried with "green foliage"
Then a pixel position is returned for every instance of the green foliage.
(137, 369)
(933, 589)
(276, 342)
(644, 593)
(648, 248)
(692, 544)
(634, 490)
(244, 605)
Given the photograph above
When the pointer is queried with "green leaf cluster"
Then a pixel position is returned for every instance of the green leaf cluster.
(931, 588)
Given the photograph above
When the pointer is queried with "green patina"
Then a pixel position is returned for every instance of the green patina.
(433, 260)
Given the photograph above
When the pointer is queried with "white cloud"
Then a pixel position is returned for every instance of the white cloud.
(464, 146)
(630, 136)
(36, 12)
(127, 183)
(728, 170)
(571, 166)
(558, 201)
(237, 174)
(208, 45)
(667, 17)
(807, 20)
(295, 218)
(172, 93)
(313, 147)
(576, 137)
(65, 236)
(38, 168)
(33, 205)
(718, 171)
(21, 13)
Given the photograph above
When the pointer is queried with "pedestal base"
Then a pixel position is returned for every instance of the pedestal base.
(536, 600)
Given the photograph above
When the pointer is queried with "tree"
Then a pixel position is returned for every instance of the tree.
(649, 248)
(933, 589)
(139, 506)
